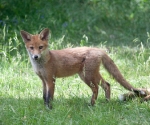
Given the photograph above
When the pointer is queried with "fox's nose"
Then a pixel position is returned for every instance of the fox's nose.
(36, 57)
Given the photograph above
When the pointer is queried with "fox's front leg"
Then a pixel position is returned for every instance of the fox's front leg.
(44, 88)
(48, 91)
(44, 92)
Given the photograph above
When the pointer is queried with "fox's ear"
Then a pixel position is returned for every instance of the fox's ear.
(25, 36)
(44, 35)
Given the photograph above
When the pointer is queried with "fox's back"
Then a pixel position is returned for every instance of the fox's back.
(72, 60)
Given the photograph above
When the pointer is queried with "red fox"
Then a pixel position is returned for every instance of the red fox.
(84, 61)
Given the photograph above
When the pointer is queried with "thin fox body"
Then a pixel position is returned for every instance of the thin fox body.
(84, 61)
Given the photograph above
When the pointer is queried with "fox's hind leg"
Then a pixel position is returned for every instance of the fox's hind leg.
(92, 83)
(106, 87)
(94, 87)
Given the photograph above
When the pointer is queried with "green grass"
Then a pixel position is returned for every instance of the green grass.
(21, 95)
(120, 26)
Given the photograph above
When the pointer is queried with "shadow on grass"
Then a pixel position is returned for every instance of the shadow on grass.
(37, 103)
(32, 110)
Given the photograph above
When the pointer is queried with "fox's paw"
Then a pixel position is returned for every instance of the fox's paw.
(48, 106)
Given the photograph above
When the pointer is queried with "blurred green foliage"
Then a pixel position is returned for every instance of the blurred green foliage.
(119, 22)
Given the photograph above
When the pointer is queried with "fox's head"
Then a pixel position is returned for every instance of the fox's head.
(36, 45)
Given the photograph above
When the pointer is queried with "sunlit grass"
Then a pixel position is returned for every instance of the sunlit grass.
(21, 96)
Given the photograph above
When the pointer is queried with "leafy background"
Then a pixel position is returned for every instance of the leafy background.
(114, 22)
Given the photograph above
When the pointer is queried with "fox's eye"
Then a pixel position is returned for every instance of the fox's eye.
(31, 48)
(40, 47)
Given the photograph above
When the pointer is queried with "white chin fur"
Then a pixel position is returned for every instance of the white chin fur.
(121, 97)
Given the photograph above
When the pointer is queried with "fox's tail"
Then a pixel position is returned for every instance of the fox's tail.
(114, 71)
(130, 95)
